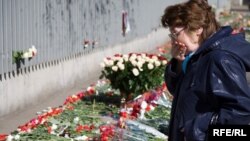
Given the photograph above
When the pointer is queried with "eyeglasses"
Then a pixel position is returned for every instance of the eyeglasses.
(175, 35)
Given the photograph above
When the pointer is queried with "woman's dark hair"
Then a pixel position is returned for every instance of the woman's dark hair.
(192, 15)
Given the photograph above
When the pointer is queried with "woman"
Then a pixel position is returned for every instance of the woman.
(207, 75)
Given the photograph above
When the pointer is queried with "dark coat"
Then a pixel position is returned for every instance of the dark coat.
(214, 89)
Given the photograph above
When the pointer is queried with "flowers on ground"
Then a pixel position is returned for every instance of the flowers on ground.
(81, 118)
(134, 73)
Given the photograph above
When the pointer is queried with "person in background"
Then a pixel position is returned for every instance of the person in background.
(207, 72)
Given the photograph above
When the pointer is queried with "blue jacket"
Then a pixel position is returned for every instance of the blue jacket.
(214, 89)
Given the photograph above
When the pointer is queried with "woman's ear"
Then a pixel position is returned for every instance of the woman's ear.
(199, 31)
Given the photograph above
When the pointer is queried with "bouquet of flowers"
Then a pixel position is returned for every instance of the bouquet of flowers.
(134, 73)
(18, 56)
(149, 112)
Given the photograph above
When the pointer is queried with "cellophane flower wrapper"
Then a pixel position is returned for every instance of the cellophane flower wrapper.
(137, 131)
(150, 112)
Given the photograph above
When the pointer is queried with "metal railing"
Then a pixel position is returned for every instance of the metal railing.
(62, 29)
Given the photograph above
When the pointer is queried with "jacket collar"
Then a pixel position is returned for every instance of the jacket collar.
(214, 39)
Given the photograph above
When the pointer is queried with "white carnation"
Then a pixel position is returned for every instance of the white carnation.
(147, 59)
(157, 63)
(106, 61)
(142, 61)
(114, 68)
(140, 64)
(30, 52)
(140, 69)
(125, 57)
(164, 62)
(143, 55)
(10, 138)
(54, 127)
(134, 63)
(116, 58)
(34, 50)
(26, 55)
(17, 137)
(121, 60)
(154, 57)
(151, 60)
(152, 107)
(139, 57)
(81, 138)
(29, 130)
(132, 57)
(121, 66)
(144, 105)
(135, 71)
(76, 120)
(45, 111)
(110, 63)
(150, 66)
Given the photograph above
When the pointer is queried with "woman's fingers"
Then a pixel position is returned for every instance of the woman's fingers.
(178, 51)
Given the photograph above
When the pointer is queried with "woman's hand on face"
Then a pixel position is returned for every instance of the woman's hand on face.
(178, 50)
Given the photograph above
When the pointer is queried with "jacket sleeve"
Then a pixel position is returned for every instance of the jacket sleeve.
(227, 83)
(170, 76)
